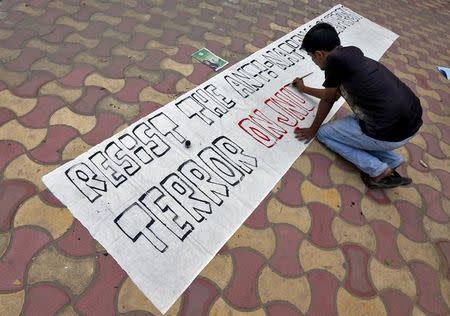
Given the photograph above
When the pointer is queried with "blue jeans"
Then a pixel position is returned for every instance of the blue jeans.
(345, 137)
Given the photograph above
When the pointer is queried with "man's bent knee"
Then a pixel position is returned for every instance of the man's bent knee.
(323, 132)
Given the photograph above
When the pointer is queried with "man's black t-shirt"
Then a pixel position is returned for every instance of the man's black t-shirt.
(386, 108)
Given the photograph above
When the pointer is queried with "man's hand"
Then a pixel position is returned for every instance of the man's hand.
(299, 84)
(305, 134)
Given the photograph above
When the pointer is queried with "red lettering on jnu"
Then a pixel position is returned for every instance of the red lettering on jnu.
(284, 108)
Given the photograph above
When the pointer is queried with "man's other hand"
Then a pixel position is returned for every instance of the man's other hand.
(299, 84)
(305, 134)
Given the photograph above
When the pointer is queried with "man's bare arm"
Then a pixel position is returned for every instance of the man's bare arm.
(318, 93)
(324, 107)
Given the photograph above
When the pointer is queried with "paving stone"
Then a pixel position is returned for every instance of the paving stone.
(128, 111)
(348, 304)
(106, 123)
(12, 303)
(433, 203)
(351, 205)
(153, 59)
(428, 288)
(104, 48)
(47, 197)
(85, 13)
(93, 29)
(220, 269)
(6, 115)
(87, 103)
(25, 60)
(387, 251)
(258, 218)
(31, 86)
(290, 193)
(273, 287)
(313, 257)
(34, 212)
(277, 212)
(131, 299)
(168, 82)
(442, 175)
(44, 299)
(444, 247)
(396, 302)
(324, 289)
(117, 66)
(198, 298)
(200, 73)
(248, 265)
(321, 233)
(39, 117)
(49, 151)
(65, 54)
(25, 242)
(13, 193)
(70, 95)
(17, 40)
(65, 116)
(50, 16)
(131, 90)
(358, 282)
(75, 274)
(413, 251)
(260, 240)
(76, 77)
(99, 298)
(412, 218)
(274, 309)
(285, 260)
(139, 41)
(127, 24)
(311, 193)
(58, 34)
(145, 109)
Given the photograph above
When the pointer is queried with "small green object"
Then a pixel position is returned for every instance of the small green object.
(205, 56)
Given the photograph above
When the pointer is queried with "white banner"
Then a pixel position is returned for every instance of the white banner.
(163, 209)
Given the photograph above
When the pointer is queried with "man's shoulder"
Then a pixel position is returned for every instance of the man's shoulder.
(348, 58)
(346, 52)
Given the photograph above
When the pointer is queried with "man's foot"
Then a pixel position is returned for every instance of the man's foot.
(384, 174)
(407, 180)
(390, 181)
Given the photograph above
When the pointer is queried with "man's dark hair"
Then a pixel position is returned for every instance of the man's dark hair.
(321, 36)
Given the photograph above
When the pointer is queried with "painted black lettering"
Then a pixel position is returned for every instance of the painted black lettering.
(166, 127)
(107, 168)
(235, 153)
(208, 102)
(218, 97)
(131, 144)
(119, 156)
(135, 223)
(204, 181)
(167, 211)
(147, 136)
(192, 108)
(240, 86)
(86, 181)
(189, 197)
(221, 166)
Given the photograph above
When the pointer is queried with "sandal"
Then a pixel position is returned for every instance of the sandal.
(407, 180)
(391, 181)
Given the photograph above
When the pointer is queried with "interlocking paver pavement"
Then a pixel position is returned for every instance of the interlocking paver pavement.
(73, 73)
